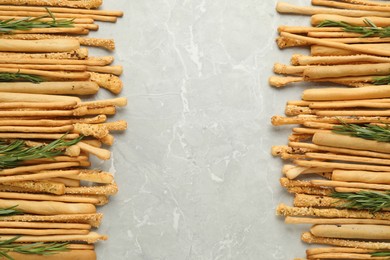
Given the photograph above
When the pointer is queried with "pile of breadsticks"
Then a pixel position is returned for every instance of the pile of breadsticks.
(49, 189)
(338, 155)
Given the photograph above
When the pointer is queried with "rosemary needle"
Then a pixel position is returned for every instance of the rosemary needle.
(365, 200)
(40, 248)
(366, 31)
(16, 152)
(381, 80)
(371, 132)
(7, 77)
(11, 211)
(28, 23)
(381, 254)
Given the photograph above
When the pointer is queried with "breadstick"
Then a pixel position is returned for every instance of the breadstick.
(87, 4)
(52, 88)
(37, 187)
(107, 81)
(348, 158)
(91, 219)
(67, 255)
(304, 60)
(319, 125)
(99, 152)
(291, 70)
(282, 7)
(48, 67)
(347, 255)
(309, 238)
(43, 105)
(346, 94)
(88, 62)
(353, 113)
(44, 197)
(38, 176)
(284, 210)
(36, 168)
(78, 54)
(344, 141)
(67, 182)
(351, 6)
(93, 176)
(48, 207)
(359, 21)
(375, 232)
(339, 150)
(279, 120)
(300, 220)
(41, 232)
(318, 72)
(49, 74)
(109, 189)
(309, 190)
(120, 102)
(44, 225)
(23, 129)
(348, 104)
(320, 49)
(351, 184)
(58, 45)
(304, 200)
(361, 176)
(90, 238)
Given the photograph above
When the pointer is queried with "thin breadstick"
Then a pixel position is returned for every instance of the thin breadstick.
(99, 152)
(351, 6)
(43, 105)
(116, 70)
(291, 70)
(61, 10)
(107, 81)
(88, 4)
(320, 49)
(353, 113)
(358, 21)
(302, 220)
(345, 166)
(49, 74)
(24, 129)
(304, 60)
(348, 158)
(11, 97)
(37, 187)
(282, 7)
(58, 45)
(351, 184)
(318, 72)
(280, 120)
(48, 207)
(78, 54)
(67, 255)
(305, 200)
(43, 225)
(319, 125)
(67, 182)
(44, 113)
(344, 141)
(362, 231)
(346, 94)
(109, 110)
(285, 210)
(93, 176)
(310, 131)
(347, 255)
(39, 167)
(361, 176)
(348, 104)
(311, 239)
(90, 238)
(41, 232)
(49, 67)
(339, 150)
(91, 219)
(92, 62)
(44, 197)
(38, 176)
(109, 189)
(75, 158)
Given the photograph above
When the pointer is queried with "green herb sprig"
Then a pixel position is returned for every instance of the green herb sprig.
(381, 254)
(28, 23)
(10, 211)
(40, 248)
(369, 30)
(9, 77)
(381, 80)
(365, 200)
(370, 132)
(13, 154)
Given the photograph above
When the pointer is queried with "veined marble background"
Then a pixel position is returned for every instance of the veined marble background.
(195, 173)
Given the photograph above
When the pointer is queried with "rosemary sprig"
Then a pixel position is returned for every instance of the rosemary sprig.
(365, 200)
(381, 80)
(8, 77)
(381, 254)
(39, 248)
(28, 23)
(369, 30)
(371, 132)
(16, 152)
(11, 211)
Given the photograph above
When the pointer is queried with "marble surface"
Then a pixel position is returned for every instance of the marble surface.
(195, 173)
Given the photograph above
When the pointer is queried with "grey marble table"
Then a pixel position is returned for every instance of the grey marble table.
(195, 173)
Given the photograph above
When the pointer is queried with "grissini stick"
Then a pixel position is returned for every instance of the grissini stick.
(344, 141)
(353, 5)
(48, 67)
(45, 225)
(48, 207)
(344, 166)
(87, 4)
(57, 45)
(346, 93)
(45, 197)
(78, 54)
(93, 62)
(338, 45)
(347, 255)
(320, 49)
(41, 232)
(303, 220)
(284, 210)
(12, 97)
(299, 120)
(61, 10)
(39, 167)
(336, 71)
(348, 158)
(314, 251)
(52, 87)
(311, 239)
(358, 21)
(307, 29)
(372, 232)
(303, 60)
(282, 7)
(38, 176)
(73, 254)
(351, 184)
(90, 238)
